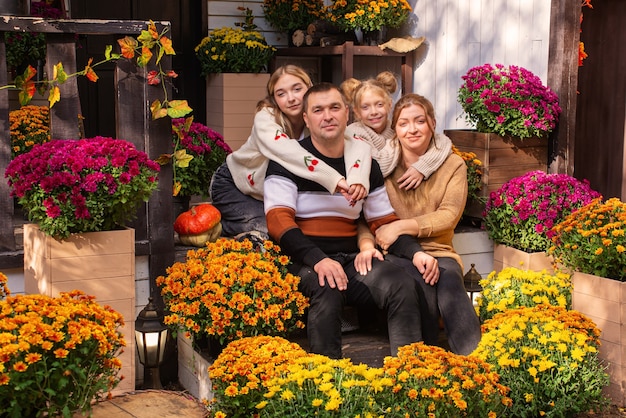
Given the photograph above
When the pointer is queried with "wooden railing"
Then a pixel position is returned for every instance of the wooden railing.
(153, 226)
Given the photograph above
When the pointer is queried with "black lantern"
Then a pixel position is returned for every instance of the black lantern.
(151, 335)
(471, 282)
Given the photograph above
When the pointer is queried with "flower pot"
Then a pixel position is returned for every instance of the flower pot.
(503, 158)
(505, 256)
(375, 37)
(604, 301)
(101, 264)
(231, 100)
(193, 369)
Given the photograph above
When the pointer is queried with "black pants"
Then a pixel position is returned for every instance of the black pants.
(386, 286)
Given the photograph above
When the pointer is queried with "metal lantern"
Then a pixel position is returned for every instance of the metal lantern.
(151, 335)
(471, 282)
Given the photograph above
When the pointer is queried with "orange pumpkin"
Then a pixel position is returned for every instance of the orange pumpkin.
(199, 225)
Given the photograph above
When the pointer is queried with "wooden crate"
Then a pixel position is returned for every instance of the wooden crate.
(604, 302)
(101, 264)
(502, 158)
(231, 100)
(193, 369)
(505, 256)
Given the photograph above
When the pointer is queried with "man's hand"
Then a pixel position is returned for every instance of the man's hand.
(428, 266)
(331, 271)
(363, 260)
(411, 179)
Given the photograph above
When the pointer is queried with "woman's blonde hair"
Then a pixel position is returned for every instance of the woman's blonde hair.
(269, 100)
(385, 84)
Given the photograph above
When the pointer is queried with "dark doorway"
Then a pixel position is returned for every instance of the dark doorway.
(188, 24)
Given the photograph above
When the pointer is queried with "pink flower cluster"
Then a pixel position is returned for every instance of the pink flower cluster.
(508, 101)
(195, 140)
(82, 185)
(522, 211)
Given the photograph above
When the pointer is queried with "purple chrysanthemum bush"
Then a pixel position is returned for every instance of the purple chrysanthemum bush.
(86, 185)
(523, 210)
(508, 101)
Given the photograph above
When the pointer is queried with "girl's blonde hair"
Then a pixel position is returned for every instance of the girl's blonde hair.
(385, 84)
(269, 100)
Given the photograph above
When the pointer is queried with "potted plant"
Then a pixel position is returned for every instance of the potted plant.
(548, 357)
(59, 353)
(86, 185)
(514, 288)
(235, 61)
(233, 50)
(288, 15)
(475, 200)
(29, 126)
(513, 112)
(372, 18)
(198, 152)
(519, 215)
(591, 243)
(226, 291)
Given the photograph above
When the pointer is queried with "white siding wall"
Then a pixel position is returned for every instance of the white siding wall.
(460, 34)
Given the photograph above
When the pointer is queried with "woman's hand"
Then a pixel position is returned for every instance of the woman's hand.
(428, 266)
(387, 235)
(411, 179)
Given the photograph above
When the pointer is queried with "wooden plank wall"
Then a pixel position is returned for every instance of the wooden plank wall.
(460, 35)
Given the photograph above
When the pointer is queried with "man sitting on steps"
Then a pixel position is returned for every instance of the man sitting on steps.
(318, 231)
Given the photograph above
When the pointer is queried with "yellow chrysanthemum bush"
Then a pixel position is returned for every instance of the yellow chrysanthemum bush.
(4, 287)
(29, 126)
(474, 175)
(234, 50)
(318, 386)
(57, 355)
(592, 239)
(242, 368)
(369, 15)
(548, 357)
(430, 381)
(514, 288)
(230, 290)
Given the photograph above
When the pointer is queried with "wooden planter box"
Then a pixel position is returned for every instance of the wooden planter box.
(101, 264)
(503, 158)
(604, 301)
(193, 369)
(231, 100)
(505, 256)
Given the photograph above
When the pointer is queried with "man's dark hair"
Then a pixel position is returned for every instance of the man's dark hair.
(321, 88)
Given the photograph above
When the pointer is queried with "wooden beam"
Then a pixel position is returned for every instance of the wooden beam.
(563, 79)
(7, 239)
(78, 26)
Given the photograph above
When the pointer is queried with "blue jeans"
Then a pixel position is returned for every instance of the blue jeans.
(386, 287)
(449, 299)
(240, 212)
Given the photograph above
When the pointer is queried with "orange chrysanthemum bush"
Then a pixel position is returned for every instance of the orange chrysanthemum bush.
(239, 373)
(57, 355)
(548, 357)
(30, 125)
(229, 290)
(592, 239)
(430, 381)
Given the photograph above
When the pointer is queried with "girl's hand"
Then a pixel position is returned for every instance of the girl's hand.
(411, 179)
(363, 260)
(357, 192)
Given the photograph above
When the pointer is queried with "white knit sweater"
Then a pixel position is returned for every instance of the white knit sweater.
(267, 141)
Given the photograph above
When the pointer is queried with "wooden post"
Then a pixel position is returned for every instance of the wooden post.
(563, 79)
(7, 240)
(135, 124)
